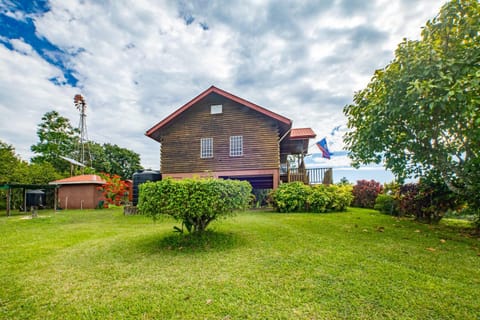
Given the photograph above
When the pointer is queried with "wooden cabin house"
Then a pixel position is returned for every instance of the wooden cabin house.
(221, 135)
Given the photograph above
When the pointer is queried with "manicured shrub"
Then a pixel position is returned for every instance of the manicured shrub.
(290, 197)
(194, 202)
(319, 198)
(365, 193)
(298, 197)
(342, 197)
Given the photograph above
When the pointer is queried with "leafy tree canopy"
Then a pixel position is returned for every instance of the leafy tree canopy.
(8, 161)
(114, 160)
(15, 170)
(57, 138)
(421, 113)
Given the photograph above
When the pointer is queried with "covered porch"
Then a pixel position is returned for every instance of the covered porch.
(293, 150)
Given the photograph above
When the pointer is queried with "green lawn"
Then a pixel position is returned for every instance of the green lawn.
(99, 264)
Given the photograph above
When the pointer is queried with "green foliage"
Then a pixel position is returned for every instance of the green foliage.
(261, 197)
(8, 162)
(114, 160)
(195, 202)
(365, 192)
(57, 138)
(41, 173)
(324, 198)
(427, 200)
(344, 180)
(387, 203)
(342, 197)
(421, 113)
(298, 197)
(319, 198)
(15, 170)
(290, 197)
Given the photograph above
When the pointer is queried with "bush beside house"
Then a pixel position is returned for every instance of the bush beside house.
(298, 197)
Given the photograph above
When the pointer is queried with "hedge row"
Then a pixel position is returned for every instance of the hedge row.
(298, 197)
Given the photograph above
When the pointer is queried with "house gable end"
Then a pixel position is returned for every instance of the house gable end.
(156, 131)
(181, 139)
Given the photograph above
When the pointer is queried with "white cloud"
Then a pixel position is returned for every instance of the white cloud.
(138, 61)
(26, 95)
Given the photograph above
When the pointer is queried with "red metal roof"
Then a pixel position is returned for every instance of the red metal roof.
(302, 133)
(225, 94)
(82, 179)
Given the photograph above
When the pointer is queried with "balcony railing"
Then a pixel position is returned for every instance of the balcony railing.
(309, 176)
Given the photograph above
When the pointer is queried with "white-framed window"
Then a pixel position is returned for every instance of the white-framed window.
(206, 148)
(236, 146)
(216, 109)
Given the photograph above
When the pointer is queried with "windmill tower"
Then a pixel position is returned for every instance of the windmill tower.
(81, 106)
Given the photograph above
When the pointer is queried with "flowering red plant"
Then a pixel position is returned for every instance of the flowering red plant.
(365, 193)
(114, 189)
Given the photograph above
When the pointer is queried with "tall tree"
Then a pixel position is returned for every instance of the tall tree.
(57, 138)
(421, 113)
(114, 160)
(8, 162)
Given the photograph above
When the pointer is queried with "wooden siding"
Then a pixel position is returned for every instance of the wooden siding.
(180, 140)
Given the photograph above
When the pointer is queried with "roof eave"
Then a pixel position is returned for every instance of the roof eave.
(78, 182)
(303, 137)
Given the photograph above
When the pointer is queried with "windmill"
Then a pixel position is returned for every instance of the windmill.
(81, 106)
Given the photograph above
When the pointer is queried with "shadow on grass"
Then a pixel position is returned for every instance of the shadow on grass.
(208, 241)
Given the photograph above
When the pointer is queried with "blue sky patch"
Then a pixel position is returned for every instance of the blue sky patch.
(24, 29)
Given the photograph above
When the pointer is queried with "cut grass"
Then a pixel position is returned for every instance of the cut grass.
(257, 265)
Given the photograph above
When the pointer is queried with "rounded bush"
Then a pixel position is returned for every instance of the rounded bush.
(195, 202)
(365, 193)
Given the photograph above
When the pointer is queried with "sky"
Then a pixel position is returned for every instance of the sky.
(137, 61)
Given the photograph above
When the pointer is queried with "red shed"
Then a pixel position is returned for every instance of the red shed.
(80, 192)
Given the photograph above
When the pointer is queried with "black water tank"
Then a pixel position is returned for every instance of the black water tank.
(142, 176)
(35, 198)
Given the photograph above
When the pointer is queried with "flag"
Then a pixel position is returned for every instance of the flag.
(322, 145)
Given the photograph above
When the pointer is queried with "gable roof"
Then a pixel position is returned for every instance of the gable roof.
(302, 133)
(213, 89)
(82, 179)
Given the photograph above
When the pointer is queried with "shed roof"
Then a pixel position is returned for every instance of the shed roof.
(213, 89)
(302, 133)
(82, 179)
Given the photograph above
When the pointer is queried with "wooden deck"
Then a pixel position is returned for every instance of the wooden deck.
(309, 176)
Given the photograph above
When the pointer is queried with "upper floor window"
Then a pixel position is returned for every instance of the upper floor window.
(216, 108)
(206, 148)
(236, 146)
